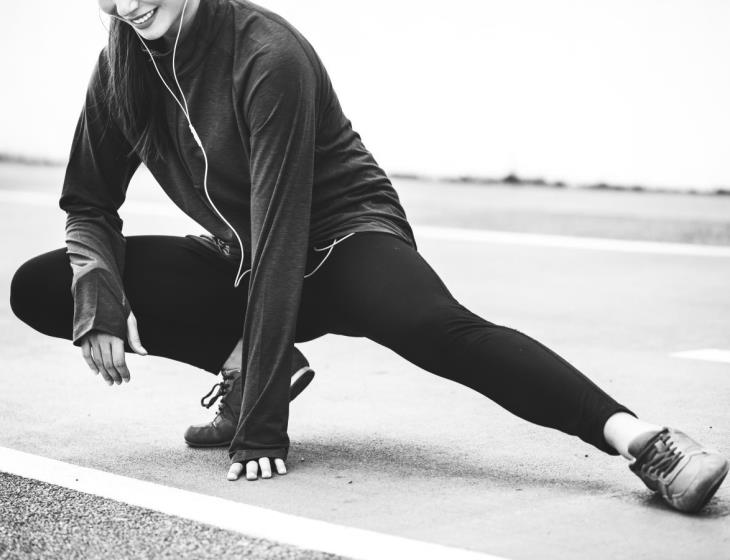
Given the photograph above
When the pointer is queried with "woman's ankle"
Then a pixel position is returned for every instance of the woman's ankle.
(622, 429)
(235, 358)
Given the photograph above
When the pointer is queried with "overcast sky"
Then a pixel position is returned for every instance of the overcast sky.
(624, 91)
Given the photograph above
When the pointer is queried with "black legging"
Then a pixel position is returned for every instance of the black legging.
(373, 285)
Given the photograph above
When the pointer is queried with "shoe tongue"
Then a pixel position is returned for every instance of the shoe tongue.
(640, 442)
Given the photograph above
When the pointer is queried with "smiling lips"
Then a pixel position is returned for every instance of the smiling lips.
(144, 18)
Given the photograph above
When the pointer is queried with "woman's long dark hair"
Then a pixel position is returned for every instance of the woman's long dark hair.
(134, 97)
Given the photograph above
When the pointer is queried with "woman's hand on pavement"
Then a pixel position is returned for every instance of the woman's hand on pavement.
(104, 353)
(253, 467)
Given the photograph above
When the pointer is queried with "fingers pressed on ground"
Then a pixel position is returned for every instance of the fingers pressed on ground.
(252, 470)
(235, 471)
(265, 465)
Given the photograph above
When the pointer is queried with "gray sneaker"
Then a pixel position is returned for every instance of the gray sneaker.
(683, 472)
(219, 431)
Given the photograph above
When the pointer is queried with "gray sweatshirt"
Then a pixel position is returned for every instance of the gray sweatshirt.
(286, 170)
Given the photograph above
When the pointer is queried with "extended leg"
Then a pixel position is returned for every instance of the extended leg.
(383, 289)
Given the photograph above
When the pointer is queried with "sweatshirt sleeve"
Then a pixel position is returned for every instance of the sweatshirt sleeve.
(97, 175)
(280, 101)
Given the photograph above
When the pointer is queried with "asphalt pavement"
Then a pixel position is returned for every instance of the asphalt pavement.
(379, 444)
(45, 521)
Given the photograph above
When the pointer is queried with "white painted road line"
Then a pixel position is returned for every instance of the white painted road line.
(233, 516)
(706, 354)
(441, 233)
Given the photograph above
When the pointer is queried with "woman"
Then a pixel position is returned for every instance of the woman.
(234, 114)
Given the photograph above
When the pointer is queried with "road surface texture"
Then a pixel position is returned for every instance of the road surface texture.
(45, 521)
(378, 444)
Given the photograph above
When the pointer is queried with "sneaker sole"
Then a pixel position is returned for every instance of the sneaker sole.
(207, 445)
(299, 381)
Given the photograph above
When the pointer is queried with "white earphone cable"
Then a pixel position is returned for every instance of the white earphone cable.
(329, 250)
(240, 274)
(174, 72)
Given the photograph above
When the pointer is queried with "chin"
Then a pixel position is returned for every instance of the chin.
(156, 31)
(150, 34)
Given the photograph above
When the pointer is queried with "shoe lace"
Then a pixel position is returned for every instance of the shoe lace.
(219, 390)
(660, 460)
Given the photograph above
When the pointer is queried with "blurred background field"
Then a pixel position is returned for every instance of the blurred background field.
(617, 92)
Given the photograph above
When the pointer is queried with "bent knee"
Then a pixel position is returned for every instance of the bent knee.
(40, 292)
(21, 288)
